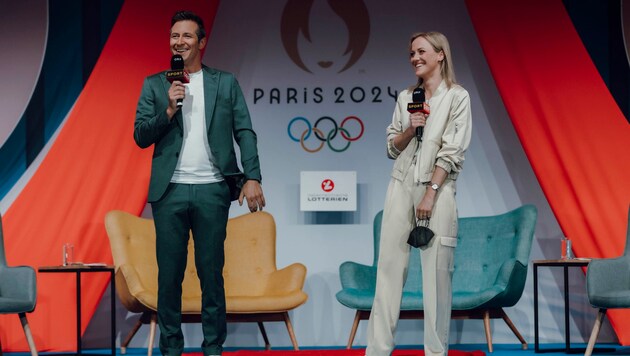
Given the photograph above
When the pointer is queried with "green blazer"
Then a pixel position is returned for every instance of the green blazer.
(227, 120)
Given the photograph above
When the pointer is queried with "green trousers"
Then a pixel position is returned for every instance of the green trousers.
(202, 209)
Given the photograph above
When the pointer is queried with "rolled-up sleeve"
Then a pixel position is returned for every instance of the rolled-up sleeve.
(456, 137)
(397, 126)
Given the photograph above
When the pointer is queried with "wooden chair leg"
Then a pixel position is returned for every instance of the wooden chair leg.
(287, 321)
(261, 327)
(132, 333)
(514, 329)
(598, 324)
(353, 331)
(486, 326)
(152, 327)
(28, 334)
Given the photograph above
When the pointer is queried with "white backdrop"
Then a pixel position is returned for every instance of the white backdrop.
(497, 176)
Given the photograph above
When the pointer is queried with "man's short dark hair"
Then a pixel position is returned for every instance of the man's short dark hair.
(191, 16)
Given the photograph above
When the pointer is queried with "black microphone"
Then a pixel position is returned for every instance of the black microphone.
(177, 72)
(418, 104)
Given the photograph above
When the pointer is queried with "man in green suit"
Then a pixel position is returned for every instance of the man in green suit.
(194, 178)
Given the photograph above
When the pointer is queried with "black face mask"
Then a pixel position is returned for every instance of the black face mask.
(421, 235)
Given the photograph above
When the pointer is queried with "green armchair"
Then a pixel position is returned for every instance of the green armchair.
(608, 286)
(491, 262)
(18, 292)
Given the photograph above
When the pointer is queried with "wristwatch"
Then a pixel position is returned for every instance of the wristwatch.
(434, 186)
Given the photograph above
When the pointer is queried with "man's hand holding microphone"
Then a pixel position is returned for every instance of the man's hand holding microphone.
(177, 76)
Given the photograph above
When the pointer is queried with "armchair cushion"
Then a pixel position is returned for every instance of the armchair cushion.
(253, 284)
(357, 276)
(18, 290)
(608, 282)
(283, 291)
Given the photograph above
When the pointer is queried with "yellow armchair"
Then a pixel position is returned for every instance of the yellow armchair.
(256, 291)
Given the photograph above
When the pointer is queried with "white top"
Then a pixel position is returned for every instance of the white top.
(196, 163)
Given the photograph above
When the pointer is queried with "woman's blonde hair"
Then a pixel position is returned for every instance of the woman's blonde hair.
(439, 42)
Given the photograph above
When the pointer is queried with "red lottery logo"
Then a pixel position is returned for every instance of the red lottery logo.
(328, 185)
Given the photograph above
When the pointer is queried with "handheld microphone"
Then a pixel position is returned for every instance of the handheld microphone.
(418, 104)
(177, 72)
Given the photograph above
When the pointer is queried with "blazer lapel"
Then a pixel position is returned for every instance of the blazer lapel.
(210, 89)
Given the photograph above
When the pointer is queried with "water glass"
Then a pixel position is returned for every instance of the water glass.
(566, 253)
(68, 254)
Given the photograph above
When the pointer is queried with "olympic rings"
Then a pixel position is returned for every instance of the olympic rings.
(334, 131)
(321, 136)
(317, 131)
(346, 132)
(308, 130)
(329, 138)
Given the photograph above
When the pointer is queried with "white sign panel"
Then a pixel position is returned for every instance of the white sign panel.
(328, 191)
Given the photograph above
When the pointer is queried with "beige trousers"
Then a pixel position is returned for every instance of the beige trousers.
(437, 267)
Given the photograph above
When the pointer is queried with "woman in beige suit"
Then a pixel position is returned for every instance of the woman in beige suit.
(422, 187)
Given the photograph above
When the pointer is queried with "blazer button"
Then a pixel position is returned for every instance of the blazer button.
(176, 154)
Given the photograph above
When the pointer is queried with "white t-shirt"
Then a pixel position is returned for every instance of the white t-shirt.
(196, 163)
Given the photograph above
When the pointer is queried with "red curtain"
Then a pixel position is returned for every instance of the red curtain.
(94, 166)
(575, 136)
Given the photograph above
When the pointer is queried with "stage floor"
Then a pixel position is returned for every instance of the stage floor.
(499, 350)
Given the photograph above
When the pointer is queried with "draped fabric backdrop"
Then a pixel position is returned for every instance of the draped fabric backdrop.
(574, 134)
(93, 167)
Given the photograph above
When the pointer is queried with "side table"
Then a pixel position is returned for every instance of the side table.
(565, 264)
(86, 268)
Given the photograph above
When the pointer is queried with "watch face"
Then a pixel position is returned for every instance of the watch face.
(435, 186)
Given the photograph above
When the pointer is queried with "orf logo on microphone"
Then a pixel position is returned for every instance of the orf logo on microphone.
(295, 26)
(328, 185)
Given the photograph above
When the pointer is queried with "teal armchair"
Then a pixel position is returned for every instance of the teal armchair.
(608, 286)
(491, 262)
(18, 292)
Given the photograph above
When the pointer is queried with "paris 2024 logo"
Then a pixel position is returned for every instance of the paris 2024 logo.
(296, 21)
